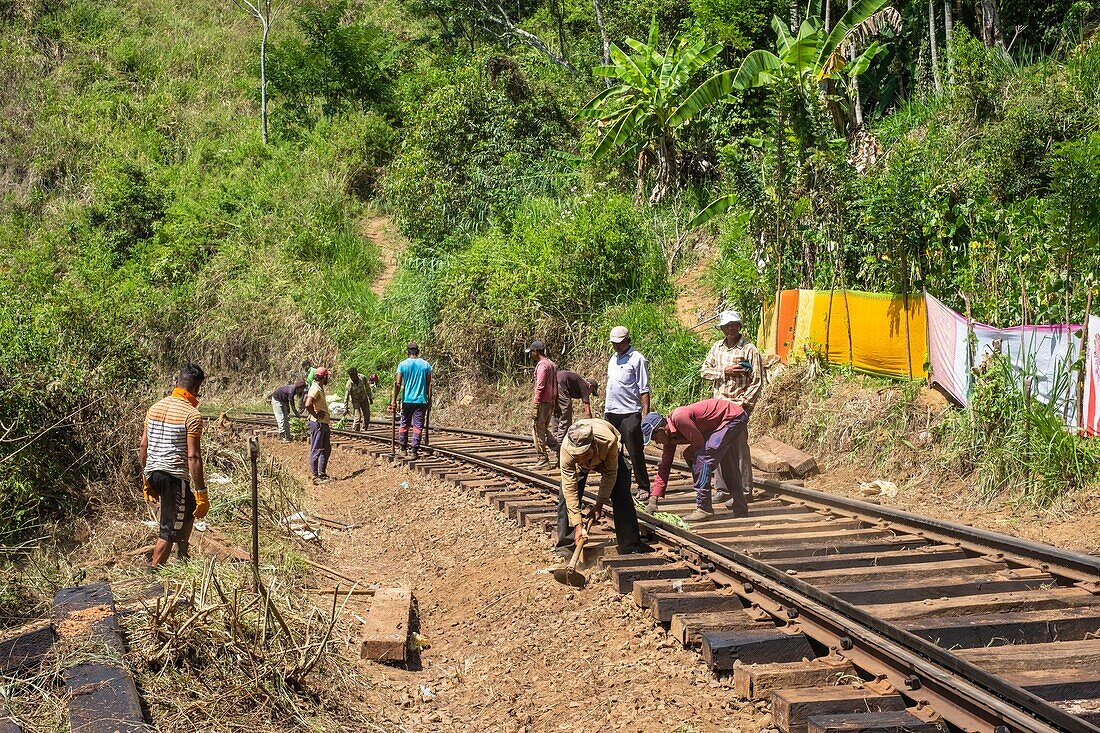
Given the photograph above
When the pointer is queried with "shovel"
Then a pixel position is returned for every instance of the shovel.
(569, 575)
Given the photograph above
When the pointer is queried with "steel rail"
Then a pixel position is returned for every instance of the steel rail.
(1002, 700)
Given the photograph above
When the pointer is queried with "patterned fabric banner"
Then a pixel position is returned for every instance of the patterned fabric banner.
(1091, 418)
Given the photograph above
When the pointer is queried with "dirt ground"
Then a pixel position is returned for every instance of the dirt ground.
(510, 649)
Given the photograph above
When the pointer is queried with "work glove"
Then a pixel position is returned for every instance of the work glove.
(202, 504)
(534, 411)
(151, 495)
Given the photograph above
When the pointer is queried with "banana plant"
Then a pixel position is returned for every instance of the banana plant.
(640, 114)
(807, 66)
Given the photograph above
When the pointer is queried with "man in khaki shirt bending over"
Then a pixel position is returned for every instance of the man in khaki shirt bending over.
(595, 445)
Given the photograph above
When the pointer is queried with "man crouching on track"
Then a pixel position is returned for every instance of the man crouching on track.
(710, 432)
(171, 461)
(595, 445)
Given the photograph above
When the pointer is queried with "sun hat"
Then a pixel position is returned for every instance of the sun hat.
(619, 334)
(727, 317)
(578, 439)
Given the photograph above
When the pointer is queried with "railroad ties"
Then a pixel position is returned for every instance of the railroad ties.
(1007, 625)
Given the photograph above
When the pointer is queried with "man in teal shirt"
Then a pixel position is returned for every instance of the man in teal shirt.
(413, 384)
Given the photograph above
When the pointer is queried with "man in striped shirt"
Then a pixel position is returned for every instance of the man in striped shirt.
(171, 461)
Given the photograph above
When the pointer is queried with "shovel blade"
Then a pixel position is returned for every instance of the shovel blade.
(570, 576)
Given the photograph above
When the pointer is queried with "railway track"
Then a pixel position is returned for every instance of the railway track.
(939, 626)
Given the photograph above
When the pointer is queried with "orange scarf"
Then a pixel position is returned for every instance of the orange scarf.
(183, 394)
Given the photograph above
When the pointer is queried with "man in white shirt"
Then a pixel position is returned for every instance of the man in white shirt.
(627, 401)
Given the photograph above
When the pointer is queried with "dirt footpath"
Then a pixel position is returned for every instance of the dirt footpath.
(510, 650)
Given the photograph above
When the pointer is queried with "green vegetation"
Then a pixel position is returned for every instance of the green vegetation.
(547, 181)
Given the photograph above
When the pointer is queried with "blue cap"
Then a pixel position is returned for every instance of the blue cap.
(651, 423)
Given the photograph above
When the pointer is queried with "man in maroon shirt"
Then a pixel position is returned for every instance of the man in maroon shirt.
(709, 430)
(543, 399)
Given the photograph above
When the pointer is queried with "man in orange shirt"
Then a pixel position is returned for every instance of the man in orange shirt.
(171, 461)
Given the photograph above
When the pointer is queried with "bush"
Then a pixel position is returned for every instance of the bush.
(561, 263)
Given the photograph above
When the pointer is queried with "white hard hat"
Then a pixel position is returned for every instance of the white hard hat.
(727, 317)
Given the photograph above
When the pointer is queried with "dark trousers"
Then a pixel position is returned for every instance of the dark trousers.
(744, 460)
(722, 450)
(627, 537)
(412, 416)
(320, 447)
(630, 428)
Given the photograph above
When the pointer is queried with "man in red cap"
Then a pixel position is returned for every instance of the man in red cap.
(320, 431)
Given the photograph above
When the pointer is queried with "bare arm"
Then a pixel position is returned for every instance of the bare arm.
(143, 449)
(194, 462)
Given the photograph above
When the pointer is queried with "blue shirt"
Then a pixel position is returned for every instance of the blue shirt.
(414, 381)
(627, 381)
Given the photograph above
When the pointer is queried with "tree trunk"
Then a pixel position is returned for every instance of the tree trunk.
(266, 21)
(932, 46)
(794, 16)
(991, 24)
(828, 16)
(668, 171)
(948, 27)
(857, 105)
(603, 39)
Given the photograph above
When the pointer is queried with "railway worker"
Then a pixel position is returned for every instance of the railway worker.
(544, 398)
(736, 373)
(709, 431)
(591, 445)
(357, 398)
(283, 403)
(171, 460)
(413, 383)
(571, 386)
(627, 400)
(308, 373)
(320, 429)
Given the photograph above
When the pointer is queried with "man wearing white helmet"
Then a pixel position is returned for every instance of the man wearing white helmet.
(735, 372)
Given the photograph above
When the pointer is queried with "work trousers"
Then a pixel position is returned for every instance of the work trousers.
(563, 417)
(630, 428)
(744, 461)
(358, 412)
(282, 416)
(320, 448)
(721, 451)
(545, 446)
(627, 537)
(412, 416)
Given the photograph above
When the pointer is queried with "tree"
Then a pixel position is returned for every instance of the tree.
(261, 11)
(642, 112)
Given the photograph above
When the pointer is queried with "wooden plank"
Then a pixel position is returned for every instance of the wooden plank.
(501, 499)
(515, 508)
(967, 632)
(801, 463)
(663, 606)
(103, 697)
(892, 721)
(633, 561)
(644, 589)
(932, 553)
(766, 460)
(1029, 600)
(872, 593)
(941, 571)
(688, 628)
(531, 517)
(1056, 655)
(804, 550)
(26, 650)
(721, 649)
(1058, 684)
(624, 577)
(748, 532)
(792, 708)
(758, 681)
(385, 634)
